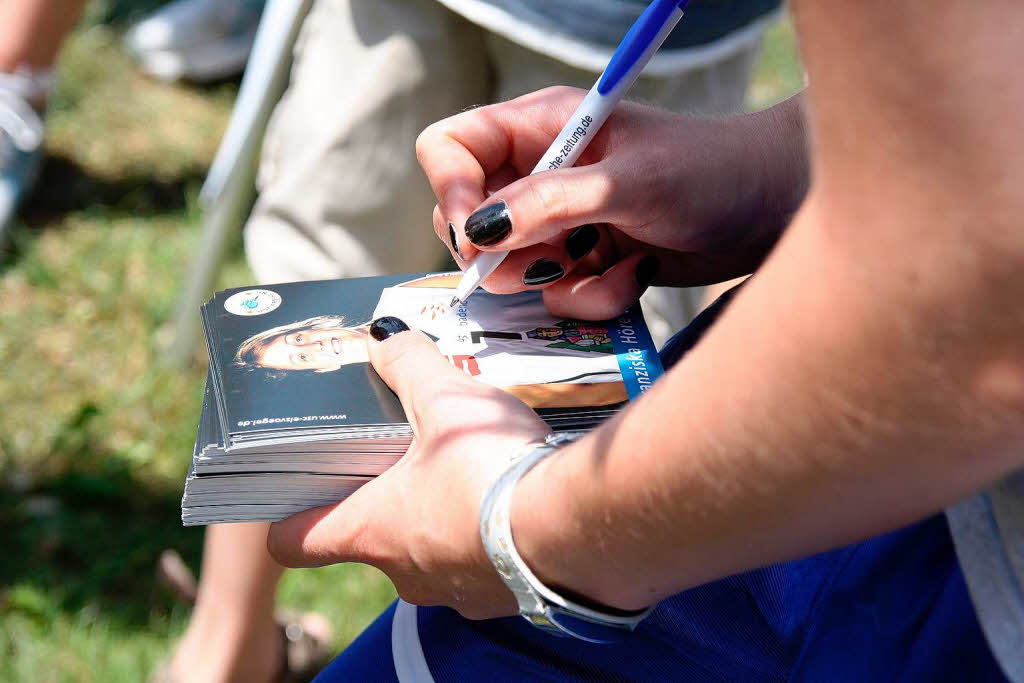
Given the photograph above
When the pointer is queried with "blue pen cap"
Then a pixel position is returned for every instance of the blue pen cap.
(637, 40)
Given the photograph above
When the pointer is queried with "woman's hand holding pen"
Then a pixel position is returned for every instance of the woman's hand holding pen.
(656, 198)
(656, 205)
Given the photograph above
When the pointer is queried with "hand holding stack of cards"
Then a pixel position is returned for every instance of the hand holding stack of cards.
(295, 417)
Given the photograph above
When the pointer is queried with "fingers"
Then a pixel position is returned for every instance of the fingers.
(539, 208)
(326, 535)
(451, 234)
(458, 173)
(459, 153)
(604, 296)
(483, 151)
(542, 264)
(531, 268)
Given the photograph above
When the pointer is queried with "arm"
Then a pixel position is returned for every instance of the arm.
(871, 373)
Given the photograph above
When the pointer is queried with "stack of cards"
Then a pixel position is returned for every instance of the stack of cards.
(295, 417)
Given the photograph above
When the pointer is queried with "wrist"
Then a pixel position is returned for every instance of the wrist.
(562, 553)
(534, 513)
(547, 607)
(766, 176)
(779, 137)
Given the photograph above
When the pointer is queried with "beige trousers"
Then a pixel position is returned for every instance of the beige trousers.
(341, 193)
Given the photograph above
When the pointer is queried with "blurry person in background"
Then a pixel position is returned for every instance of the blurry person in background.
(31, 34)
(197, 40)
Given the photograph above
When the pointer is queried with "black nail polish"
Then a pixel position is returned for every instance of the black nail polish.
(581, 241)
(542, 271)
(489, 225)
(646, 270)
(454, 239)
(386, 327)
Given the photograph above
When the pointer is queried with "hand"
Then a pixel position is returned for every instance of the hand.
(663, 198)
(419, 521)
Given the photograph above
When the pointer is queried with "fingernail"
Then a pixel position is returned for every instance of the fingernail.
(581, 241)
(646, 270)
(386, 327)
(543, 271)
(454, 239)
(489, 225)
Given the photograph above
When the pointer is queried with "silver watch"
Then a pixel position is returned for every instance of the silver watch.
(538, 604)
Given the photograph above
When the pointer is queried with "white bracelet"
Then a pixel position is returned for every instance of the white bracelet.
(538, 604)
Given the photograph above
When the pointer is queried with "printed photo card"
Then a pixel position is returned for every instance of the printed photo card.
(294, 416)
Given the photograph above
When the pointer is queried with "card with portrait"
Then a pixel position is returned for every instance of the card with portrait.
(291, 394)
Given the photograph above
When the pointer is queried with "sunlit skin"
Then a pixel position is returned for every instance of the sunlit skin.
(321, 350)
(868, 376)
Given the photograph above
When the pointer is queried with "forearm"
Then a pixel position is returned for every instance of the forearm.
(849, 410)
(870, 374)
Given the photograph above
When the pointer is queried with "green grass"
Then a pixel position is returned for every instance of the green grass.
(778, 74)
(95, 433)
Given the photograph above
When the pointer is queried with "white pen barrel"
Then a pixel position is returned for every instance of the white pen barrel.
(567, 147)
(482, 266)
(595, 109)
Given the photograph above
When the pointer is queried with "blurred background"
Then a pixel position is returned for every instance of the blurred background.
(95, 431)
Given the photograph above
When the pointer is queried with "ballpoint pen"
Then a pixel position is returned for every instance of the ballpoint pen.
(641, 42)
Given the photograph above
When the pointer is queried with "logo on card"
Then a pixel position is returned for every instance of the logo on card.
(252, 302)
(575, 335)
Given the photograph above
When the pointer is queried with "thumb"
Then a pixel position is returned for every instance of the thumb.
(414, 369)
(409, 362)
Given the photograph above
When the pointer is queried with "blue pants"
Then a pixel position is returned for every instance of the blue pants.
(893, 608)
